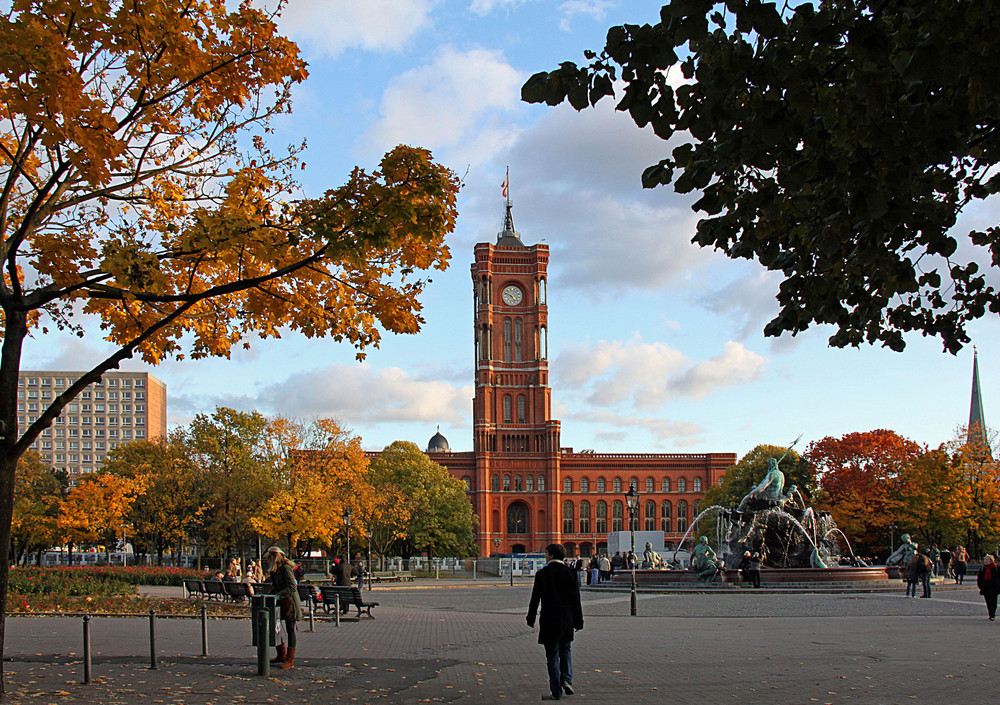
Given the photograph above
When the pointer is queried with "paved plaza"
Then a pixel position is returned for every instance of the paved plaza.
(441, 642)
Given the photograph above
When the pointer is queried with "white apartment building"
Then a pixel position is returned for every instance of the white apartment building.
(119, 408)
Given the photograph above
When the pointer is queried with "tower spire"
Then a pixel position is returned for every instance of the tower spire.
(976, 435)
(508, 236)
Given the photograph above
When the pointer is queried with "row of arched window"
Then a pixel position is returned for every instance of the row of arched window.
(524, 483)
(601, 484)
(527, 484)
(648, 517)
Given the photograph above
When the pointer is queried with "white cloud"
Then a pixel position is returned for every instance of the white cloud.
(358, 394)
(331, 26)
(748, 299)
(646, 376)
(678, 433)
(458, 99)
(595, 9)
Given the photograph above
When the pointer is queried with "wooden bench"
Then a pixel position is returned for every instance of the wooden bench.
(193, 588)
(308, 595)
(237, 592)
(391, 576)
(348, 596)
(214, 589)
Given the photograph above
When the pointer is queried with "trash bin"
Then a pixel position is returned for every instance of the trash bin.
(269, 604)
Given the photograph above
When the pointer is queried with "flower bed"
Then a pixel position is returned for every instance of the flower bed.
(117, 604)
(92, 581)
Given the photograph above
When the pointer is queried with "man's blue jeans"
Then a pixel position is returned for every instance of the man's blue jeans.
(925, 579)
(560, 665)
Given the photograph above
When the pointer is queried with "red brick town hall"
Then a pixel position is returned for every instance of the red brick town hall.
(528, 490)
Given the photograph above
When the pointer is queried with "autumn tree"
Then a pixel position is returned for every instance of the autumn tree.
(138, 188)
(40, 489)
(96, 506)
(859, 479)
(167, 513)
(935, 498)
(834, 142)
(237, 465)
(980, 480)
(441, 517)
(322, 472)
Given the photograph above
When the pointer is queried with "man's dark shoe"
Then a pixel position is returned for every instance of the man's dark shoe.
(567, 688)
(550, 697)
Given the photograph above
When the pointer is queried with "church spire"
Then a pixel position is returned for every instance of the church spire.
(976, 436)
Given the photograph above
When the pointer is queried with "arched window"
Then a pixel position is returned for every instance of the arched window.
(682, 485)
(520, 408)
(665, 484)
(696, 509)
(567, 517)
(506, 483)
(517, 340)
(541, 483)
(665, 515)
(602, 516)
(697, 484)
(584, 484)
(506, 408)
(617, 485)
(616, 515)
(506, 340)
(600, 484)
(584, 517)
(650, 485)
(633, 483)
(495, 483)
(650, 513)
(517, 518)
(682, 515)
(517, 483)
(531, 483)
(567, 484)
(468, 483)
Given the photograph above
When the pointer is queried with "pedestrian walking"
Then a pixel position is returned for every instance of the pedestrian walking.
(556, 589)
(281, 572)
(961, 564)
(753, 569)
(945, 563)
(605, 567)
(595, 570)
(924, 571)
(911, 574)
(988, 580)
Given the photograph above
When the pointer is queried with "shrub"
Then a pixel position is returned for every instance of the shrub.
(92, 580)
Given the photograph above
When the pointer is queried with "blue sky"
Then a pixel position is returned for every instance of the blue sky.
(655, 344)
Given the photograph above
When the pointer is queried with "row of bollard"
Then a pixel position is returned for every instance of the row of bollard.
(263, 636)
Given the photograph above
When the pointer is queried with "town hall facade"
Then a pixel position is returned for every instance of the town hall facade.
(528, 490)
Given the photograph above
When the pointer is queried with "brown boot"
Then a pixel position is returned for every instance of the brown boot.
(281, 654)
(289, 659)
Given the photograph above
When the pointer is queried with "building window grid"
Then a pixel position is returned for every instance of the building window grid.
(617, 516)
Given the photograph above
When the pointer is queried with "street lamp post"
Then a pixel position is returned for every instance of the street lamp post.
(496, 550)
(347, 523)
(892, 538)
(632, 502)
(370, 534)
(124, 544)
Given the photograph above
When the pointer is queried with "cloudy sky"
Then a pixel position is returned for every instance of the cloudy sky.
(655, 344)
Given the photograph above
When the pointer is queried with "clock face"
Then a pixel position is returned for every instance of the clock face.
(511, 295)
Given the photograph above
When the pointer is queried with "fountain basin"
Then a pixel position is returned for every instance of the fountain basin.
(771, 578)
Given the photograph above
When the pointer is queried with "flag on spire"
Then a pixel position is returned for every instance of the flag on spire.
(506, 183)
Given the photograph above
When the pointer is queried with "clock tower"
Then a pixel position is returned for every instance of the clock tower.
(515, 439)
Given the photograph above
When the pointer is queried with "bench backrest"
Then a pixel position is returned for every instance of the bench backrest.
(237, 589)
(347, 594)
(193, 587)
(213, 587)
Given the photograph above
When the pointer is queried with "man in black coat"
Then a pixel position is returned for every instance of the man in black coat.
(557, 589)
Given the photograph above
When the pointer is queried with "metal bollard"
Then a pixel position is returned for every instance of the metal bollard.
(336, 609)
(86, 648)
(204, 630)
(312, 621)
(152, 639)
(263, 664)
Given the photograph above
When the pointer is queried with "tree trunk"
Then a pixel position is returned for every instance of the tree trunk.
(8, 468)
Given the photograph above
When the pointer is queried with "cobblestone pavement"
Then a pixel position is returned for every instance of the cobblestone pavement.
(468, 643)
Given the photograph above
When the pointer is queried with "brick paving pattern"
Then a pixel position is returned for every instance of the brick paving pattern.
(469, 643)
